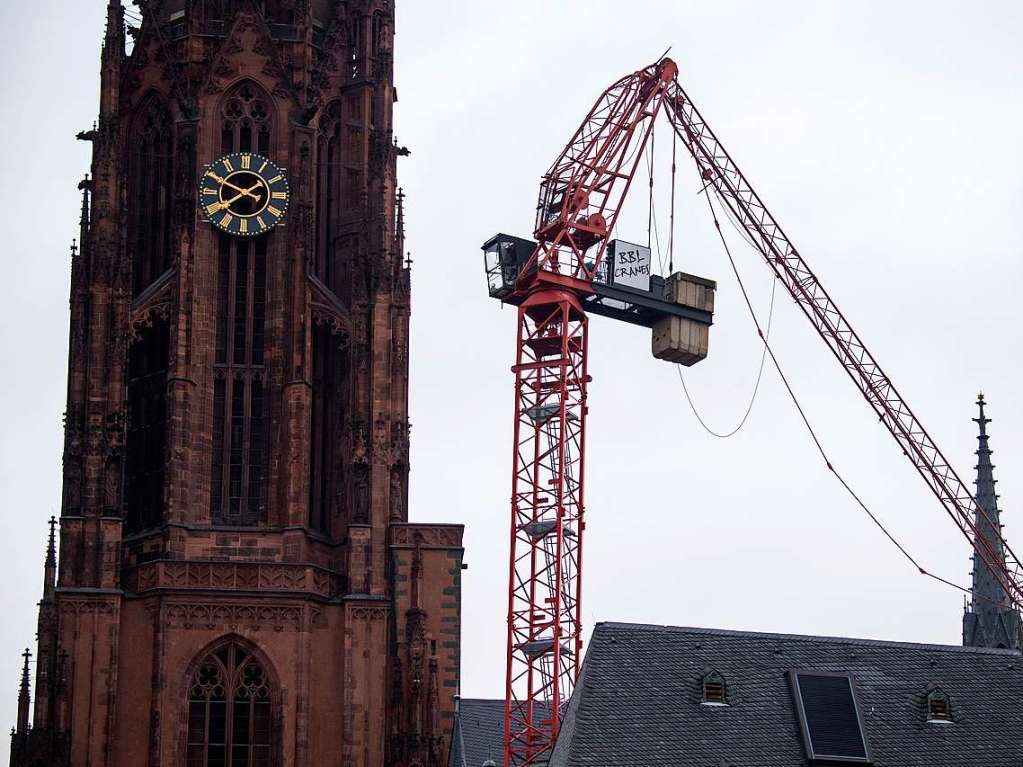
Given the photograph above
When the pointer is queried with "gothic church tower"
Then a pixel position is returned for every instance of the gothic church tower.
(238, 583)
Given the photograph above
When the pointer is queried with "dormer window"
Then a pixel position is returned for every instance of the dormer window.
(715, 692)
(939, 707)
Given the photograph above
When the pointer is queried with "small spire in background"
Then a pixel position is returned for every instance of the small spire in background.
(990, 620)
(983, 420)
(401, 212)
(50, 568)
(24, 697)
(85, 185)
(51, 546)
(399, 224)
(988, 594)
(27, 655)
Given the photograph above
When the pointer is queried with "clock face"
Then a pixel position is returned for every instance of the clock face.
(244, 194)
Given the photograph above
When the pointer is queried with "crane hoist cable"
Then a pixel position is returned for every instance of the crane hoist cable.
(802, 414)
(753, 395)
(652, 219)
(764, 335)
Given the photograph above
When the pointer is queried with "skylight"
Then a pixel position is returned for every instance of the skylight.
(829, 717)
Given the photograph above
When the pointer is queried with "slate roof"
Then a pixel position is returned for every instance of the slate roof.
(478, 733)
(637, 703)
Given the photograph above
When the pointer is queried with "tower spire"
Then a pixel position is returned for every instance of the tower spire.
(990, 620)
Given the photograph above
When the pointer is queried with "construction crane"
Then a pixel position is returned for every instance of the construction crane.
(573, 269)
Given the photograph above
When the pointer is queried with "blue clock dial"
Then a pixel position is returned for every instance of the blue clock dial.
(244, 194)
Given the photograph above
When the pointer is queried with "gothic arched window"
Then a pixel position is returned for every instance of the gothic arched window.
(340, 149)
(230, 711)
(328, 414)
(149, 193)
(246, 117)
(146, 452)
(355, 47)
(328, 186)
(240, 403)
(240, 408)
(378, 32)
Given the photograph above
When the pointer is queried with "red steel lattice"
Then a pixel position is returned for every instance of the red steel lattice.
(580, 199)
(544, 639)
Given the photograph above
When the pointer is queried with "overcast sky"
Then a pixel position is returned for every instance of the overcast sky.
(885, 138)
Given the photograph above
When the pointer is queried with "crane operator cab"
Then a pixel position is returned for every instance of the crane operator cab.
(679, 308)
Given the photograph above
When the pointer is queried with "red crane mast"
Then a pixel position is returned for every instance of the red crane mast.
(580, 198)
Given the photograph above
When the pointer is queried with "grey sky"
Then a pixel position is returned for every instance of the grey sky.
(884, 136)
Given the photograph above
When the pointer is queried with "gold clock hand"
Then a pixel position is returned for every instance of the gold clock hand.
(218, 206)
(225, 182)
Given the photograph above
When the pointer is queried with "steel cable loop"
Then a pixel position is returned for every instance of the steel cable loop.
(813, 434)
(756, 385)
(652, 218)
(768, 351)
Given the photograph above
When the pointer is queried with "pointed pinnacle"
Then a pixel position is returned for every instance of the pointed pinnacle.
(983, 420)
(51, 546)
(24, 669)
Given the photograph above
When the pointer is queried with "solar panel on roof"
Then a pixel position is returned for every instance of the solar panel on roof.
(829, 717)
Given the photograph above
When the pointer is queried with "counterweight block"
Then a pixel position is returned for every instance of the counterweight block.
(684, 340)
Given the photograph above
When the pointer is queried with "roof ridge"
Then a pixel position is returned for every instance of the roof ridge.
(804, 638)
(462, 700)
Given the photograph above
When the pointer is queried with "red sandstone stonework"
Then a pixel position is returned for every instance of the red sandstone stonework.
(302, 584)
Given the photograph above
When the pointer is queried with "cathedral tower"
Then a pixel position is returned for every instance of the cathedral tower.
(238, 582)
(989, 620)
